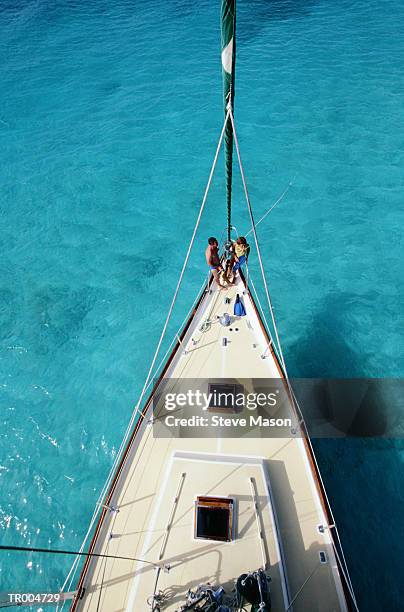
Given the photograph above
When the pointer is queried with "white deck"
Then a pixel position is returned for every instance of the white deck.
(157, 470)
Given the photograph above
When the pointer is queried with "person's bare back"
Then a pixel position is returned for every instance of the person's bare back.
(213, 259)
(212, 253)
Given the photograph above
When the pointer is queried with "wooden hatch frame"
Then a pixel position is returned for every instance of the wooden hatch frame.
(212, 503)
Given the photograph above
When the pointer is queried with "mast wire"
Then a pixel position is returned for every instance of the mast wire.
(124, 440)
(264, 216)
(149, 375)
(56, 551)
(147, 383)
(271, 309)
(293, 397)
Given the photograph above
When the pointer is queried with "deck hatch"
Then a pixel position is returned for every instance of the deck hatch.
(223, 397)
(214, 518)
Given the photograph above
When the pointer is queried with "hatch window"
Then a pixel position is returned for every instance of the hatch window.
(223, 397)
(214, 518)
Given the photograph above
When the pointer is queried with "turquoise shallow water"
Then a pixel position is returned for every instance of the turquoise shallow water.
(109, 113)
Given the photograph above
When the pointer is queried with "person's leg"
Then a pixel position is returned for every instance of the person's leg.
(229, 276)
(216, 276)
(229, 270)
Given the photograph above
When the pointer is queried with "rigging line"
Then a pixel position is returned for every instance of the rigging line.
(98, 504)
(106, 559)
(106, 484)
(302, 587)
(103, 574)
(181, 274)
(277, 335)
(262, 310)
(346, 576)
(55, 551)
(257, 244)
(344, 566)
(343, 563)
(271, 309)
(155, 606)
(283, 194)
(264, 318)
(174, 338)
(186, 258)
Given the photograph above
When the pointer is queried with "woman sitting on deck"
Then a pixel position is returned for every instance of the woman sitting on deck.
(241, 252)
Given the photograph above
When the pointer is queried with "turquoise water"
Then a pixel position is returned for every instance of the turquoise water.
(109, 115)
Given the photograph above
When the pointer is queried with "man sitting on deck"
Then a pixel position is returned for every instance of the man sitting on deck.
(213, 260)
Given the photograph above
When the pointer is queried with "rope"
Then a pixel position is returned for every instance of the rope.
(253, 226)
(312, 574)
(103, 574)
(346, 576)
(170, 310)
(302, 587)
(283, 194)
(128, 430)
(256, 242)
(149, 375)
(263, 314)
(343, 563)
(55, 551)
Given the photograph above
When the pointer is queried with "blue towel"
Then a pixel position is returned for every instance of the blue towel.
(239, 309)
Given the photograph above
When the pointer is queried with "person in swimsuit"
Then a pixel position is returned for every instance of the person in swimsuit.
(241, 252)
(213, 260)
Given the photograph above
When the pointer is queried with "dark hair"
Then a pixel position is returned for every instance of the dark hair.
(212, 241)
(241, 240)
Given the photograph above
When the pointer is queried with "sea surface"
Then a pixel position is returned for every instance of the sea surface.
(109, 116)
